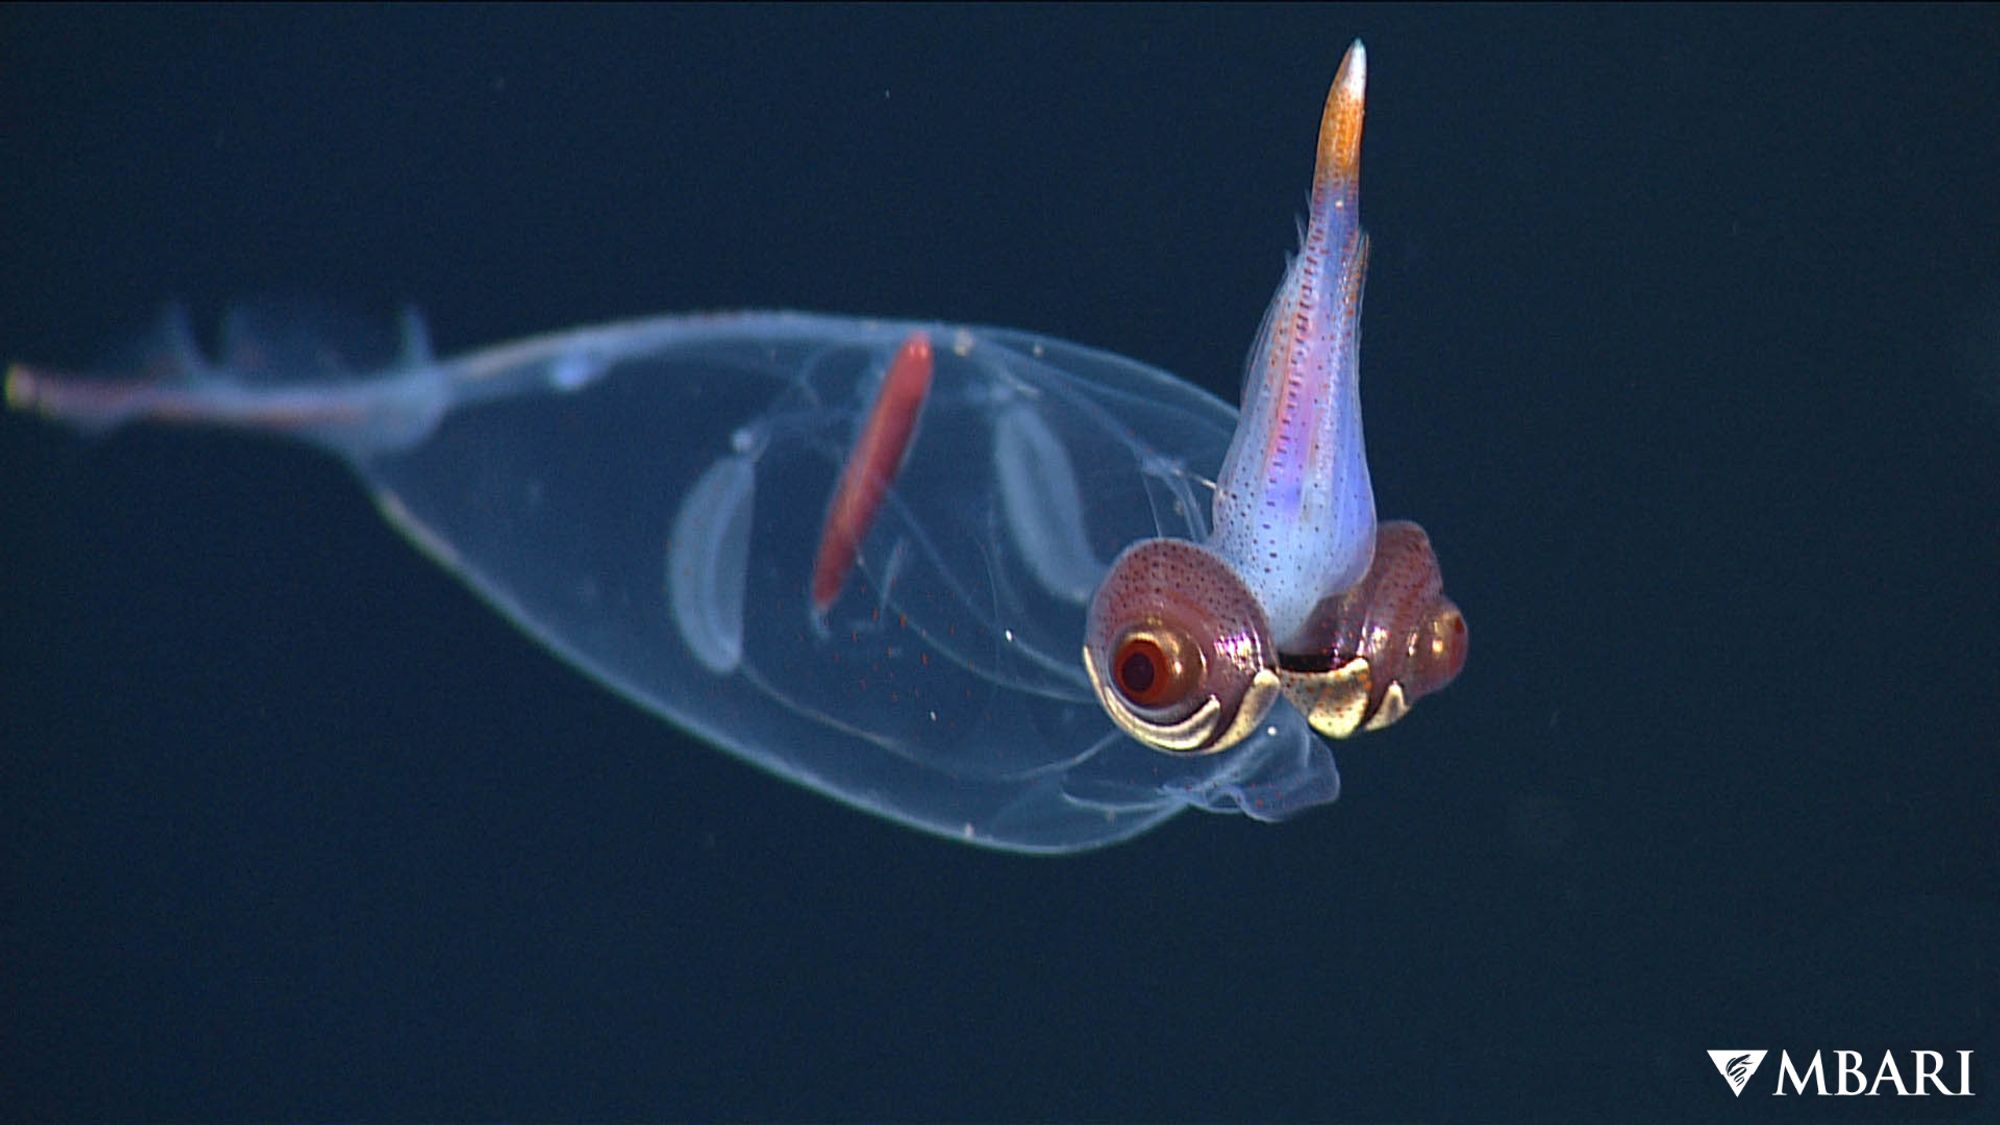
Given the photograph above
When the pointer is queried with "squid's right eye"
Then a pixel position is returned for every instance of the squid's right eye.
(1156, 667)
(1179, 650)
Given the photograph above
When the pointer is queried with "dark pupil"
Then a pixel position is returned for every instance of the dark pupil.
(1138, 671)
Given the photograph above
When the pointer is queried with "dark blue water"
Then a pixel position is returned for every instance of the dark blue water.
(1683, 339)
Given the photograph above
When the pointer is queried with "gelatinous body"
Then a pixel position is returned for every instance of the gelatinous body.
(865, 555)
(648, 499)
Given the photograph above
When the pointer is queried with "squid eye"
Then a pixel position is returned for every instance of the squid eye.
(1437, 654)
(1178, 649)
(1367, 656)
(1156, 667)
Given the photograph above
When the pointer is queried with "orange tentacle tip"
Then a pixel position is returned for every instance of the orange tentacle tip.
(1338, 172)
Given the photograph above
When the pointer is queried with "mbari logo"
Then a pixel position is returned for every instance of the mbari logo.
(1737, 1067)
(1907, 1074)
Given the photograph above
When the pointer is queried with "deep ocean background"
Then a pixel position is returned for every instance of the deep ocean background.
(1683, 340)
